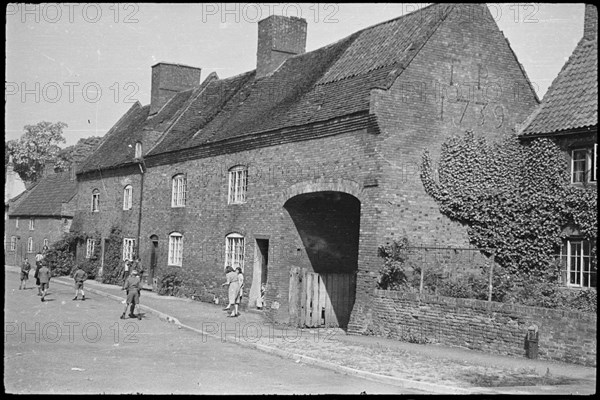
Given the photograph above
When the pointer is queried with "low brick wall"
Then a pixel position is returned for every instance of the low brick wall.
(480, 325)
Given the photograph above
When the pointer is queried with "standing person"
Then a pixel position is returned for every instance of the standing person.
(234, 286)
(44, 276)
(238, 299)
(38, 258)
(137, 265)
(36, 275)
(79, 277)
(126, 269)
(132, 286)
(38, 264)
(25, 268)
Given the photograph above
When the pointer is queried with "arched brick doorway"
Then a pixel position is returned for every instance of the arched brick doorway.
(323, 283)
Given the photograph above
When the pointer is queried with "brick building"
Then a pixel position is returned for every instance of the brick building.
(568, 115)
(40, 215)
(298, 170)
(13, 188)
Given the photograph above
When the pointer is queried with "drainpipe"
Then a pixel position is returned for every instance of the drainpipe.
(142, 166)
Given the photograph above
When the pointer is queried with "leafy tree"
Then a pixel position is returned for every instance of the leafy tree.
(39, 143)
(78, 152)
(514, 197)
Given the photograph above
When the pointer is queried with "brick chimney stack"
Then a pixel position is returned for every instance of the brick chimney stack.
(590, 24)
(169, 79)
(279, 38)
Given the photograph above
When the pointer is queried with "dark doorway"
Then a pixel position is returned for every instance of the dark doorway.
(153, 260)
(259, 275)
(323, 281)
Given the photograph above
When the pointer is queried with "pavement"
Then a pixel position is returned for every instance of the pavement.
(429, 368)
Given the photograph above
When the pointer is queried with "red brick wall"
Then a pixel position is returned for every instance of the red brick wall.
(111, 185)
(331, 163)
(480, 325)
(466, 50)
(44, 228)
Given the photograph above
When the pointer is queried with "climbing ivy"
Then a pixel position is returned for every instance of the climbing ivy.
(513, 197)
(112, 273)
(61, 254)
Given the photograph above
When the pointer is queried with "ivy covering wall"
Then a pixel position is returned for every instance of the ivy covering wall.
(516, 198)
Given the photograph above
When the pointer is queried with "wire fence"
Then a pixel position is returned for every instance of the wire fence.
(451, 271)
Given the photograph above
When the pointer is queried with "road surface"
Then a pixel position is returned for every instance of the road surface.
(65, 346)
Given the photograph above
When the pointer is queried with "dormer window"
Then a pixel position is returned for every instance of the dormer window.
(138, 150)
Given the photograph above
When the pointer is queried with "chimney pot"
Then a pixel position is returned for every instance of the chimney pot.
(279, 38)
(169, 79)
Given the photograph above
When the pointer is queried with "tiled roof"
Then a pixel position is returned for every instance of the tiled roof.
(45, 198)
(572, 100)
(321, 85)
(118, 145)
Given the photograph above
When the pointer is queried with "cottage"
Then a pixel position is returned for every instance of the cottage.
(296, 171)
(568, 115)
(40, 215)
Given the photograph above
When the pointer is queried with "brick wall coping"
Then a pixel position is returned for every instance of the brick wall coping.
(492, 306)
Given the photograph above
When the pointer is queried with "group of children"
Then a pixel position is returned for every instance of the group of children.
(132, 283)
(41, 275)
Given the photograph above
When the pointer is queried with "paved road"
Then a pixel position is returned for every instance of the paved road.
(65, 346)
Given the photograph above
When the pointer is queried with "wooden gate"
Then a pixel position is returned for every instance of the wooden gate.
(320, 300)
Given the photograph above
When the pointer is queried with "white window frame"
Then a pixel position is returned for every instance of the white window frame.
(127, 198)
(577, 265)
(179, 190)
(31, 224)
(138, 149)
(594, 164)
(13, 243)
(238, 185)
(46, 242)
(128, 248)
(588, 174)
(176, 249)
(95, 200)
(30, 244)
(234, 250)
(89, 248)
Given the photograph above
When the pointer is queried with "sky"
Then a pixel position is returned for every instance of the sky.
(86, 64)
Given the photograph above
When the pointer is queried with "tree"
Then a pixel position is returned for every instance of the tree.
(39, 144)
(513, 197)
(80, 151)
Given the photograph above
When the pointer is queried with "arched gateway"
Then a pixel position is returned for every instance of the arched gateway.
(326, 215)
